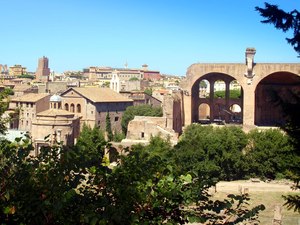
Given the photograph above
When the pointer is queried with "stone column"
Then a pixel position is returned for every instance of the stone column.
(249, 107)
(227, 96)
(211, 99)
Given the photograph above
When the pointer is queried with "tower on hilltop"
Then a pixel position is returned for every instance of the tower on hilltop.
(43, 71)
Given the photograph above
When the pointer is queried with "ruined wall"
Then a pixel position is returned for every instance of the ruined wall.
(142, 128)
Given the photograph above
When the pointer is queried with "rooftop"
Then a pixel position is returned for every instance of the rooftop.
(96, 94)
(55, 112)
(30, 97)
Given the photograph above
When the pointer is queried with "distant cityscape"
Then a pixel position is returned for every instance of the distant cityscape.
(46, 103)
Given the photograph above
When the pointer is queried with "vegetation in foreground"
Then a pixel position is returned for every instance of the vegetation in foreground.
(149, 186)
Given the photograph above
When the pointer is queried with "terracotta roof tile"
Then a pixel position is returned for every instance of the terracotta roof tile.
(55, 112)
(30, 97)
(96, 94)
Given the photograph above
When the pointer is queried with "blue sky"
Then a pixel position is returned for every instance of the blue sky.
(167, 35)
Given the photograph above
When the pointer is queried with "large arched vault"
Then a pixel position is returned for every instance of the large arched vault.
(252, 78)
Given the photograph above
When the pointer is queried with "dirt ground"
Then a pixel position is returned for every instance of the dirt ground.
(267, 193)
(255, 186)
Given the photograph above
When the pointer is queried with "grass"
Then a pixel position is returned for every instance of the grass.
(269, 200)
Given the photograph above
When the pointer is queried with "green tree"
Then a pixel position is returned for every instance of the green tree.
(213, 153)
(38, 190)
(156, 194)
(139, 110)
(234, 93)
(148, 91)
(91, 144)
(133, 79)
(4, 102)
(269, 153)
(108, 127)
(203, 84)
(26, 76)
(141, 190)
(284, 21)
(118, 136)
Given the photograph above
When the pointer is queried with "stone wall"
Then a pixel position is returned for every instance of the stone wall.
(142, 128)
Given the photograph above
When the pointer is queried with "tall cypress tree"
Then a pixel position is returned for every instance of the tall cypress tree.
(108, 128)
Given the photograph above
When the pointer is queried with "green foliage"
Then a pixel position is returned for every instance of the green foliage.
(118, 136)
(139, 110)
(56, 188)
(211, 152)
(269, 152)
(156, 194)
(292, 202)
(234, 94)
(91, 144)
(106, 84)
(203, 84)
(108, 127)
(133, 79)
(38, 190)
(148, 91)
(26, 76)
(284, 21)
(4, 102)
(6, 92)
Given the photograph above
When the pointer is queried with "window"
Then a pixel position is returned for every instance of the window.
(72, 107)
(26, 122)
(67, 106)
(31, 105)
(27, 114)
(78, 108)
(116, 118)
(142, 134)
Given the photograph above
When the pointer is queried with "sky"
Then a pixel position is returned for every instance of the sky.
(167, 35)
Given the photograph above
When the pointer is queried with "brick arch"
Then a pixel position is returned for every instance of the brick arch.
(219, 108)
(271, 93)
(238, 72)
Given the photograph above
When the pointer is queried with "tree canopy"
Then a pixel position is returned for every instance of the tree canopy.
(55, 188)
(284, 21)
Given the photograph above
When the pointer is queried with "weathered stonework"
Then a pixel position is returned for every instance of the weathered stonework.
(142, 128)
(251, 77)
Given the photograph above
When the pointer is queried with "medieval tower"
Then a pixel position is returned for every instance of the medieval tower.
(43, 71)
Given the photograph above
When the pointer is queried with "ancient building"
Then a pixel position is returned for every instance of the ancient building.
(42, 71)
(92, 105)
(142, 128)
(263, 86)
(28, 106)
(169, 126)
(55, 126)
(141, 98)
(17, 70)
(104, 74)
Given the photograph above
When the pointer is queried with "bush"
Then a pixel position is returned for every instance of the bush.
(269, 152)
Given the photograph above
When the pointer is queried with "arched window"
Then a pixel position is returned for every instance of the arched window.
(78, 108)
(72, 107)
(67, 106)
